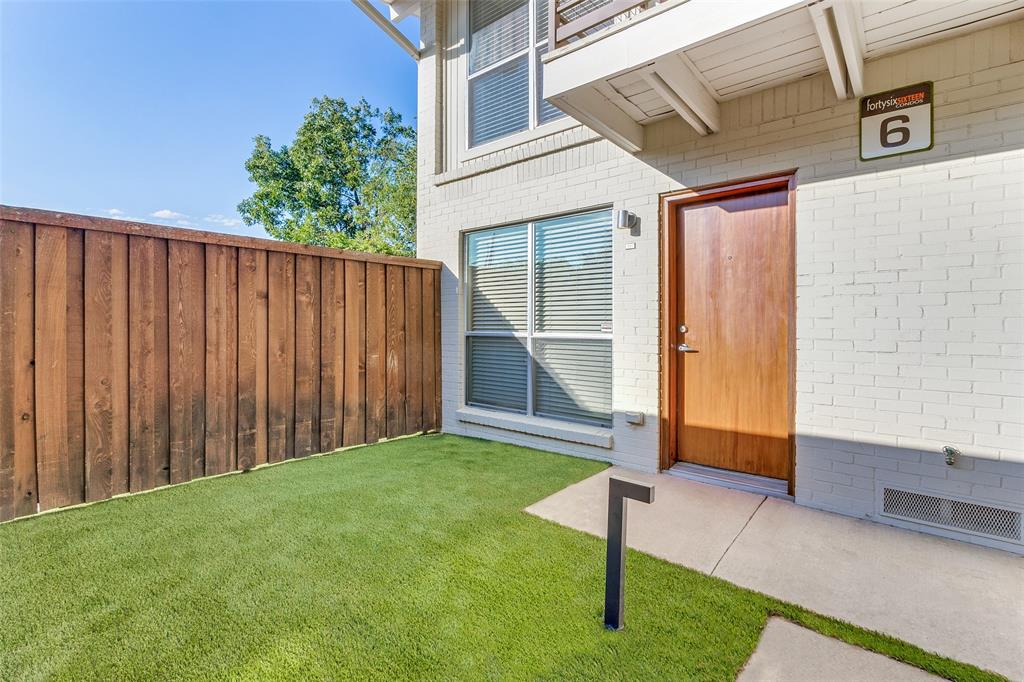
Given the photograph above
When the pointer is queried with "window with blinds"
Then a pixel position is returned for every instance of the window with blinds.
(573, 263)
(573, 379)
(498, 270)
(538, 318)
(506, 41)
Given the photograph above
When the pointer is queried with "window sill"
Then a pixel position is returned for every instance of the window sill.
(538, 426)
(543, 143)
(517, 139)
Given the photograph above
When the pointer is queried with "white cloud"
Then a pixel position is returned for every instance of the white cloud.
(222, 220)
(118, 214)
(167, 214)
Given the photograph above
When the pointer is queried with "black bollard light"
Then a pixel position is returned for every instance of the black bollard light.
(619, 490)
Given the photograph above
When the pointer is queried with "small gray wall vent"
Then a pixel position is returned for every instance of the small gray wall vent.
(953, 514)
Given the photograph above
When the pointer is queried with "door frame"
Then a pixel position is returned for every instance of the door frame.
(668, 291)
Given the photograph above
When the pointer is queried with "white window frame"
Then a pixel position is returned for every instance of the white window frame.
(535, 129)
(530, 335)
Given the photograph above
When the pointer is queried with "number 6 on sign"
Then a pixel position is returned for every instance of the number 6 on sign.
(896, 122)
(885, 138)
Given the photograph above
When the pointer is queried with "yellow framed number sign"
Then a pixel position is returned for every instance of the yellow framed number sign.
(896, 122)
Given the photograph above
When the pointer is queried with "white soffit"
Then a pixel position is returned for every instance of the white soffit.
(689, 57)
(779, 49)
(400, 9)
(893, 25)
(688, 23)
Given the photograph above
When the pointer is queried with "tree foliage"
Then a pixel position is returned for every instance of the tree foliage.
(348, 180)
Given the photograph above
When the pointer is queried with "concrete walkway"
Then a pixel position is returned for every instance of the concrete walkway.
(790, 653)
(958, 600)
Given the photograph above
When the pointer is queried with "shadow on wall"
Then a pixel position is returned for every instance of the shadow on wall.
(823, 136)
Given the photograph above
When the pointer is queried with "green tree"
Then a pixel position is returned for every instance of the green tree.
(347, 181)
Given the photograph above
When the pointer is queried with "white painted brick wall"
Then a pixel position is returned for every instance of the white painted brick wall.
(909, 270)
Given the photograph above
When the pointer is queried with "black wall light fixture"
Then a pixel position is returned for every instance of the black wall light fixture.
(619, 490)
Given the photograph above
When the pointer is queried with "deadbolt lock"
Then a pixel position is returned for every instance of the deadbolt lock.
(683, 329)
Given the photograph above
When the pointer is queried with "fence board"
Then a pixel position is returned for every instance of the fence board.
(332, 353)
(376, 353)
(221, 358)
(75, 321)
(281, 361)
(148, 445)
(106, 373)
(429, 350)
(355, 353)
(51, 370)
(18, 489)
(136, 355)
(60, 462)
(187, 369)
(307, 355)
(438, 412)
(252, 358)
(413, 350)
(396, 351)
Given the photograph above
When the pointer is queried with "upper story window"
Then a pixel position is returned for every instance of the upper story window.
(506, 41)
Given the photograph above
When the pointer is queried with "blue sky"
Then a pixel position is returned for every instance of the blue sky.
(146, 109)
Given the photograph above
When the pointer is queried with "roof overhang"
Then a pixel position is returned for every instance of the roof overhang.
(397, 10)
(684, 57)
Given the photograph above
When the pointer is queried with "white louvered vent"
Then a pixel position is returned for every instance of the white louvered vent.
(951, 513)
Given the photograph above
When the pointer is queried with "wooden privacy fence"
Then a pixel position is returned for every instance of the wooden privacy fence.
(134, 356)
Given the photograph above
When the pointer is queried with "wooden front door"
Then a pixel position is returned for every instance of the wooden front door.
(734, 302)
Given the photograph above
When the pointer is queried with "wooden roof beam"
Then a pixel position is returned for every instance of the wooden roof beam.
(400, 9)
(850, 31)
(825, 26)
(588, 106)
(678, 84)
(389, 28)
(841, 35)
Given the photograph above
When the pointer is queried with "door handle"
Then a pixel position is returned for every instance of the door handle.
(684, 348)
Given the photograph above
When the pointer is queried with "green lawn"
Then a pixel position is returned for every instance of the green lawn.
(408, 559)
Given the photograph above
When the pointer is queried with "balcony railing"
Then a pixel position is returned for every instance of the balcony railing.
(574, 19)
